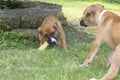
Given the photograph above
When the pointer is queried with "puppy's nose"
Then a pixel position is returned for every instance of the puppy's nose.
(52, 40)
(82, 23)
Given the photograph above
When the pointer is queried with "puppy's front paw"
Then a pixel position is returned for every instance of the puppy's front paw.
(84, 64)
(103, 79)
(106, 78)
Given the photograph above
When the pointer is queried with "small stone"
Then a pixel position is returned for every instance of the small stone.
(93, 79)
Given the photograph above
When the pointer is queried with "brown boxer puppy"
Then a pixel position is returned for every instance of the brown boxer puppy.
(108, 32)
(52, 32)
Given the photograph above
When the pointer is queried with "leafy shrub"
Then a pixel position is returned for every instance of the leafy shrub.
(112, 1)
(10, 4)
(4, 4)
(10, 40)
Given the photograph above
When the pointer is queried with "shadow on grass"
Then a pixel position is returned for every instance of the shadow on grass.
(74, 37)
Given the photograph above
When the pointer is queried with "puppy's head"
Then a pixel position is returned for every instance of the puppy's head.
(90, 15)
(48, 32)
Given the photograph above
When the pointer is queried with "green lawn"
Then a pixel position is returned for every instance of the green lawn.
(21, 60)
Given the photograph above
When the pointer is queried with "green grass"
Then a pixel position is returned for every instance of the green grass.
(21, 60)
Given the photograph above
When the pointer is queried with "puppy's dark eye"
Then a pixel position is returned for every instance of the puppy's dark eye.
(46, 36)
(53, 33)
(88, 14)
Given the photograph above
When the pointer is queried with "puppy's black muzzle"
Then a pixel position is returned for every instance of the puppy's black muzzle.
(82, 23)
(52, 40)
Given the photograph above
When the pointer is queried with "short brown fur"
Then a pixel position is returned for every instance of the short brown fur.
(108, 32)
(49, 25)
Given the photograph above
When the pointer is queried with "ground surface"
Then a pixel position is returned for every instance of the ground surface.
(21, 60)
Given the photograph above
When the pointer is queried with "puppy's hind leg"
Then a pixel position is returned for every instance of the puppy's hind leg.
(115, 64)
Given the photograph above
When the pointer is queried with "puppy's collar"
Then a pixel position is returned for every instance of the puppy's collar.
(101, 15)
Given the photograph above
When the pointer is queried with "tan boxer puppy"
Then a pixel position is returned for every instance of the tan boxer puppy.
(108, 32)
(52, 32)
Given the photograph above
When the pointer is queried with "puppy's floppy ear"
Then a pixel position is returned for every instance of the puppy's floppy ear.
(58, 27)
(38, 32)
(55, 26)
(99, 5)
